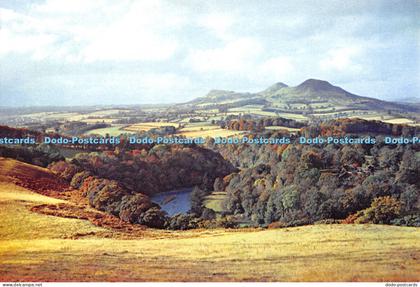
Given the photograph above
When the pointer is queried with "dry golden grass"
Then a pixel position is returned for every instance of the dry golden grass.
(292, 130)
(18, 223)
(218, 132)
(39, 247)
(206, 130)
(399, 121)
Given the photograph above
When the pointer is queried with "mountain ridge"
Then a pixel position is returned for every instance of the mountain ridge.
(310, 96)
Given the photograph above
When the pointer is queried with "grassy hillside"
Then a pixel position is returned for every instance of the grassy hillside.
(35, 246)
(312, 98)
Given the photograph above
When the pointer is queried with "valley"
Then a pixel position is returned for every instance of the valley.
(179, 210)
(207, 116)
(209, 142)
(54, 248)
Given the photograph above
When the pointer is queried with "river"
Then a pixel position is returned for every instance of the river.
(174, 201)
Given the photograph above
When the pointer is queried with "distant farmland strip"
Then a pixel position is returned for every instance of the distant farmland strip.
(149, 125)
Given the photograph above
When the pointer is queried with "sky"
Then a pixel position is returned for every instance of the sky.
(101, 52)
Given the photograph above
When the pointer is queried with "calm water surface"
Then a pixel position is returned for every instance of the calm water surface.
(174, 201)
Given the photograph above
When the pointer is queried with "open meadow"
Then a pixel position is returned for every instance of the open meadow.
(148, 126)
(36, 245)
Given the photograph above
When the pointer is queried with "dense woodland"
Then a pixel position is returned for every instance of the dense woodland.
(301, 184)
(120, 182)
(244, 124)
(372, 183)
(265, 185)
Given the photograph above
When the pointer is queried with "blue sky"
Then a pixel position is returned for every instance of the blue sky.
(89, 52)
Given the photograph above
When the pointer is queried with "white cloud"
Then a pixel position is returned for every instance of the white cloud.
(235, 57)
(66, 7)
(218, 24)
(140, 34)
(276, 69)
(341, 59)
(218, 44)
(21, 34)
(92, 30)
(165, 82)
(128, 40)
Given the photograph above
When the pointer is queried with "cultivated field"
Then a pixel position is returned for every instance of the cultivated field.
(39, 247)
(148, 126)
(213, 132)
(105, 115)
(400, 121)
(291, 130)
(111, 131)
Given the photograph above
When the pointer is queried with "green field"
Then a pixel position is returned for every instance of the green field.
(148, 126)
(215, 201)
(292, 130)
(218, 132)
(112, 131)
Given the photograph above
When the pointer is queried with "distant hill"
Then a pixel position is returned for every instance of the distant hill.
(410, 100)
(312, 97)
